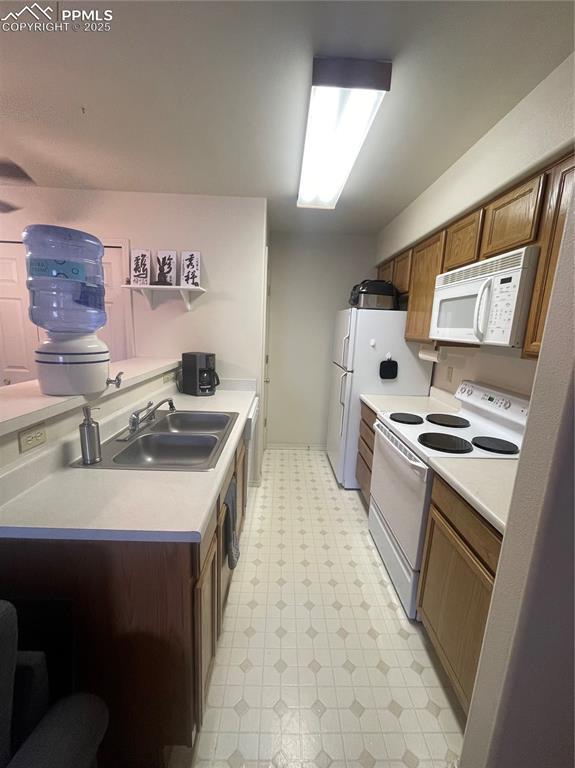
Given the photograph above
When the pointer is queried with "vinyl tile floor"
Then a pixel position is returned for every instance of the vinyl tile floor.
(317, 665)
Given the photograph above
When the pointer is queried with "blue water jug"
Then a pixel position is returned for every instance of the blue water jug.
(65, 279)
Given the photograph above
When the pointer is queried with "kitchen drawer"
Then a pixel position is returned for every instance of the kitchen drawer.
(365, 452)
(367, 434)
(477, 533)
(363, 475)
(368, 415)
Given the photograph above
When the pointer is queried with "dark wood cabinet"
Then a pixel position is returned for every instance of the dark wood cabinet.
(512, 220)
(426, 264)
(459, 561)
(462, 241)
(365, 447)
(558, 198)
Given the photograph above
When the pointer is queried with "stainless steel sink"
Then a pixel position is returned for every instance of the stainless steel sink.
(192, 421)
(181, 441)
(166, 450)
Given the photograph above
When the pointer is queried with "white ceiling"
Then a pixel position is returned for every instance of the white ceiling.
(211, 98)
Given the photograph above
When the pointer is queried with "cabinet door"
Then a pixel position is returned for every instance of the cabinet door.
(385, 271)
(559, 197)
(363, 475)
(206, 625)
(462, 241)
(513, 219)
(402, 271)
(453, 602)
(426, 264)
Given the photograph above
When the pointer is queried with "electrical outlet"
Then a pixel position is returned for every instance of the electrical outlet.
(32, 437)
(450, 373)
(170, 376)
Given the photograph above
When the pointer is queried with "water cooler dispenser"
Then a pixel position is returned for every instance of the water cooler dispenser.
(66, 284)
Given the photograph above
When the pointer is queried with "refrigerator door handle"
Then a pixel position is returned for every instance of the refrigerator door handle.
(341, 381)
(344, 349)
(341, 402)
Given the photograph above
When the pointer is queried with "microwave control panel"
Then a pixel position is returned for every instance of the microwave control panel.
(502, 307)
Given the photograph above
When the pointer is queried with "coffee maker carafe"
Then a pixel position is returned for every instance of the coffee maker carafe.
(199, 375)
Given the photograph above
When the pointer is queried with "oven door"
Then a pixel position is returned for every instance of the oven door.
(461, 311)
(401, 487)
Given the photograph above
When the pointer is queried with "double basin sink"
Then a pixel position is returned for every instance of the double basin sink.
(173, 440)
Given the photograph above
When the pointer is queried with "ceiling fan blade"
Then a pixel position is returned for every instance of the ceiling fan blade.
(10, 171)
(8, 207)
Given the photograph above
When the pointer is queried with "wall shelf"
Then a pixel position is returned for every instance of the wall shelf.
(152, 292)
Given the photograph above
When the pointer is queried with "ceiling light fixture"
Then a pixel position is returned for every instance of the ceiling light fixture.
(345, 97)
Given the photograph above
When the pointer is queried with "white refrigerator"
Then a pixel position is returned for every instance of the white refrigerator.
(363, 339)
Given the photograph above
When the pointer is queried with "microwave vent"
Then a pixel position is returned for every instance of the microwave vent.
(503, 263)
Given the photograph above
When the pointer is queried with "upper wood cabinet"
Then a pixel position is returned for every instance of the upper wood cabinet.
(402, 271)
(426, 264)
(512, 220)
(558, 199)
(385, 271)
(462, 241)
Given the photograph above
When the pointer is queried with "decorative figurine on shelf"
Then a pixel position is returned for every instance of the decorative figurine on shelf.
(165, 268)
(190, 269)
(140, 267)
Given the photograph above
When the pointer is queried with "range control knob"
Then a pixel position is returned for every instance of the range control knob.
(507, 404)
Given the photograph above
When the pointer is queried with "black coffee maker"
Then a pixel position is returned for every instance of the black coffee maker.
(199, 375)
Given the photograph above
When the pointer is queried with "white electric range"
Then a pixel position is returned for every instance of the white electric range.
(490, 424)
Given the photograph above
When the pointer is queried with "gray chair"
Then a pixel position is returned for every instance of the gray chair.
(34, 734)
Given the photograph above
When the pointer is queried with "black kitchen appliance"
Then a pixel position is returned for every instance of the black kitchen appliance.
(199, 375)
(374, 294)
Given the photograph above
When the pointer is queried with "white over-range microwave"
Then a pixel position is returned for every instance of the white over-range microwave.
(486, 302)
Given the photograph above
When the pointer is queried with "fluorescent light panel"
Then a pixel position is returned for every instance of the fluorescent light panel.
(338, 122)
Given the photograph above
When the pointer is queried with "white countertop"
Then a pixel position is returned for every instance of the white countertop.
(487, 484)
(127, 505)
(22, 405)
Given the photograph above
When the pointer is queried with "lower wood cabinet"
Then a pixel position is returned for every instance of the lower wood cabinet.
(455, 587)
(206, 625)
(365, 451)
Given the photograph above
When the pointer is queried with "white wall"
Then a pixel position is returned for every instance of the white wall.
(311, 277)
(538, 128)
(503, 368)
(230, 233)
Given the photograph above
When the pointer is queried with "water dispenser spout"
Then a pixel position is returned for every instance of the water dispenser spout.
(116, 382)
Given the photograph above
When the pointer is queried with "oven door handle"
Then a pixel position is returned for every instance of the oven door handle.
(416, 465)
(479, 327)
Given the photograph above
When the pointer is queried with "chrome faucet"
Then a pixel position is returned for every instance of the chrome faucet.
(149, 412)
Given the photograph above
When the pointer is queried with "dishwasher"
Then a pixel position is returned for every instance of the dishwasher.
(398, 509)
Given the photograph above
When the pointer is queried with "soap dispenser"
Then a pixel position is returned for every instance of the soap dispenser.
(90, 438)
